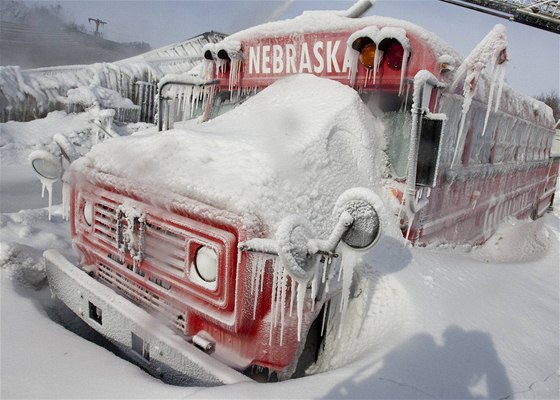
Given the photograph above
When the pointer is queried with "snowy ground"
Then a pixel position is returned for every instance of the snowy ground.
(425, 323)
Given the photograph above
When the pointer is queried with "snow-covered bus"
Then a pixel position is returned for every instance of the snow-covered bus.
(227, 241)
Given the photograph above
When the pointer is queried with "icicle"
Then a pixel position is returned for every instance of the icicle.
(468, 93)
(498, 74)
(376, 59)
(411, 220)
(292, 295)
(261, 276)
(273, 302)
(253, 260)
(368, 75)
(234, 73)
(283, 287)
(48, 185)
(315, 283)
(301, 289)
(352, 56)
(259, 263)
(194, 100)
(207, 68)
(501, 80)
(65, 201)
(403, 69)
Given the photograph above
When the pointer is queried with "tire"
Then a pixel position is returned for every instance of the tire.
(313, 346)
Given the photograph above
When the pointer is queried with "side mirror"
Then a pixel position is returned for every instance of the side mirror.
(46, 165)
(293, 236)
(363, 206)
(365, 230)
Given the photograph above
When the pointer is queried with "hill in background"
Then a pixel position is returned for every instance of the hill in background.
(33, 37)
(33, 47)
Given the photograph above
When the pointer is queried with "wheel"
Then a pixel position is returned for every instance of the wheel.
(313, 346)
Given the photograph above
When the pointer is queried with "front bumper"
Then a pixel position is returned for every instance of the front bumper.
(155, 347)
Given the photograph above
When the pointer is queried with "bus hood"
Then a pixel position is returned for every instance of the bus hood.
(291, 149)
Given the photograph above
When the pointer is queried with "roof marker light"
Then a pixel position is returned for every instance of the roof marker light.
(367, 55)
(394, 56)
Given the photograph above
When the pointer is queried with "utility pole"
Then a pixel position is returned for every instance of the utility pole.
(98, 22)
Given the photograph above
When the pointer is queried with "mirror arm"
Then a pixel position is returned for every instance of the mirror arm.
(314, 246)
(327, 247)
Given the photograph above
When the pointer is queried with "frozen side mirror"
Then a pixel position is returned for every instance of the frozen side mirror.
(293, 236)
(365, 229)
(46, 165)
(360, 207)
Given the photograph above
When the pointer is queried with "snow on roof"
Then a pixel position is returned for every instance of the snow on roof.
(291, 149)
(333, 21)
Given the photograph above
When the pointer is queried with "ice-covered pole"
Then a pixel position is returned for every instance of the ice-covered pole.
(421, 80)
(358, 9)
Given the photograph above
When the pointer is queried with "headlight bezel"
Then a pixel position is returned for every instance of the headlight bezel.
(87, 212)
(205, 265)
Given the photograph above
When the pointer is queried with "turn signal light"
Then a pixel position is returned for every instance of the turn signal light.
(367, 56)
(394, 56)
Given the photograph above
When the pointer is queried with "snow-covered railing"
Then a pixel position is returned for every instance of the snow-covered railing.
(31, 94)
(182, 97)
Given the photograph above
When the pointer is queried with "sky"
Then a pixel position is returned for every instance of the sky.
(534, 68)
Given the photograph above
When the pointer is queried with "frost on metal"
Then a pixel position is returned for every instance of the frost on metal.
(188, 95)
(33, 93)
(299, 269)
(130, 236)
(227, 50)
(492, 49)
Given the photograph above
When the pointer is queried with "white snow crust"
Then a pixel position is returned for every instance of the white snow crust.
(279, 153)
(97, 96)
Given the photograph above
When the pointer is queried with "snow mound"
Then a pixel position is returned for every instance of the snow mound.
(25, 235)
(94, 95)
(517, 241)
(291, 149)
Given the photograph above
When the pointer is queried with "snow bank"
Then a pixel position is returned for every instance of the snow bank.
(18, 139)
(292, 149)
(516, 241)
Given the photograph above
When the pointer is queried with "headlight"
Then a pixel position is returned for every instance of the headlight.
(206, 264)
(88, 212)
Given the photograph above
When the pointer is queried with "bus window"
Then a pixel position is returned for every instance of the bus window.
(397, 129)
